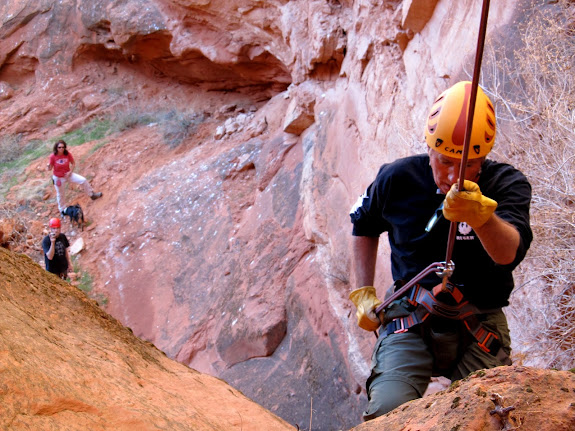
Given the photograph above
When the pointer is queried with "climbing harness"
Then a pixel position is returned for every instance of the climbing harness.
(426, 303)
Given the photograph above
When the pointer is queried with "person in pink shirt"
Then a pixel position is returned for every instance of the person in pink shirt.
(62, 165)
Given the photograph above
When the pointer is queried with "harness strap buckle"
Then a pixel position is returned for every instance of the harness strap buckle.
(402, 326)
(490, 343)
(487, 340)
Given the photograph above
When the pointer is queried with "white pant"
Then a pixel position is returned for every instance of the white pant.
(60, 185)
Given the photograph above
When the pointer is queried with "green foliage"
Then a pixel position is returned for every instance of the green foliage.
(98, 146)
(131, 120)
(7, 181)
(94, 130)
(15, 156)
(102, 300)
(178, 126)
(84, 278)
(9, 149)
(86, 282)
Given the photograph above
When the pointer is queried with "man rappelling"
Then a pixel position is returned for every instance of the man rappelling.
(456, 327)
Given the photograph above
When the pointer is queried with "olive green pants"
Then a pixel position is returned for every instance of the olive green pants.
(402, 365)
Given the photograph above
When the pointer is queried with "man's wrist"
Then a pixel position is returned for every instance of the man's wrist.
(485, 224)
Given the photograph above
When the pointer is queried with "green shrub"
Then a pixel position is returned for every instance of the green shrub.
(86, 282)
(131, 120)
(15, 158)
(94, 130)
(178, 126)
(9, 149)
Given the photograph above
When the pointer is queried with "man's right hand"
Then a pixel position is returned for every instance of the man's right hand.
(52, 237)
(366, 302)
(469, 206)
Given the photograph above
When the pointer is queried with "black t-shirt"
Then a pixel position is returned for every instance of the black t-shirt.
(59, 263)
(404, 197)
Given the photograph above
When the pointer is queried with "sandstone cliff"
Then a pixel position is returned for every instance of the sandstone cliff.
(67, 365)
(230, 139)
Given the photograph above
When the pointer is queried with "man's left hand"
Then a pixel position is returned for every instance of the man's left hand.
(366, 302)
(468, 206)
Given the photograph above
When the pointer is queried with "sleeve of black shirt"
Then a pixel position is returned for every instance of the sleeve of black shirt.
(367, 214)
(46, 244)
(512, 191)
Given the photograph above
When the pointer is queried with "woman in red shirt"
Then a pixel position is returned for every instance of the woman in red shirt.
(62, 166)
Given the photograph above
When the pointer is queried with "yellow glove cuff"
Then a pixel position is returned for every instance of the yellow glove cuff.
(366, 301)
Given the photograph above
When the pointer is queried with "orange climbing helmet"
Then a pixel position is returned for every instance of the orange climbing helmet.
(447, 121)
(54, 222)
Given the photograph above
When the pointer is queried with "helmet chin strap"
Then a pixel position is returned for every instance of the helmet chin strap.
(468, 128)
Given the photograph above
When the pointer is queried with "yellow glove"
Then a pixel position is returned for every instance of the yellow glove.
(468, 206)
(366, 302)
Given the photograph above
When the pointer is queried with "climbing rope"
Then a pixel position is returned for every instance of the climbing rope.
(471, 112)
